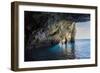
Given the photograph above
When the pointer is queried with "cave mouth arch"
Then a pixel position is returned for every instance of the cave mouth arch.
(45, 29)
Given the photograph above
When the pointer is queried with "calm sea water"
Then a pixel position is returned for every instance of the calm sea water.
(82, 48)
(56, 52)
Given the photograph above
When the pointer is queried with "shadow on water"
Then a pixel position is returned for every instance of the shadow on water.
(78, 50)
(52, 52)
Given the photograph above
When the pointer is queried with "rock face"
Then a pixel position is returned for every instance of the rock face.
(48, 26)
(44, 29)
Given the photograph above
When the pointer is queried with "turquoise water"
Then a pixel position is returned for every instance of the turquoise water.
(81, 50)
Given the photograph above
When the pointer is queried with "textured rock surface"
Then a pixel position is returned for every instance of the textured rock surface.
(44, 29)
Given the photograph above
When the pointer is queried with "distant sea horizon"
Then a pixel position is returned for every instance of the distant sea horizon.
(82, 51)
(83, 39)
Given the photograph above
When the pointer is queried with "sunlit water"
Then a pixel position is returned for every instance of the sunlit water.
(82, 48)
(56, 52)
